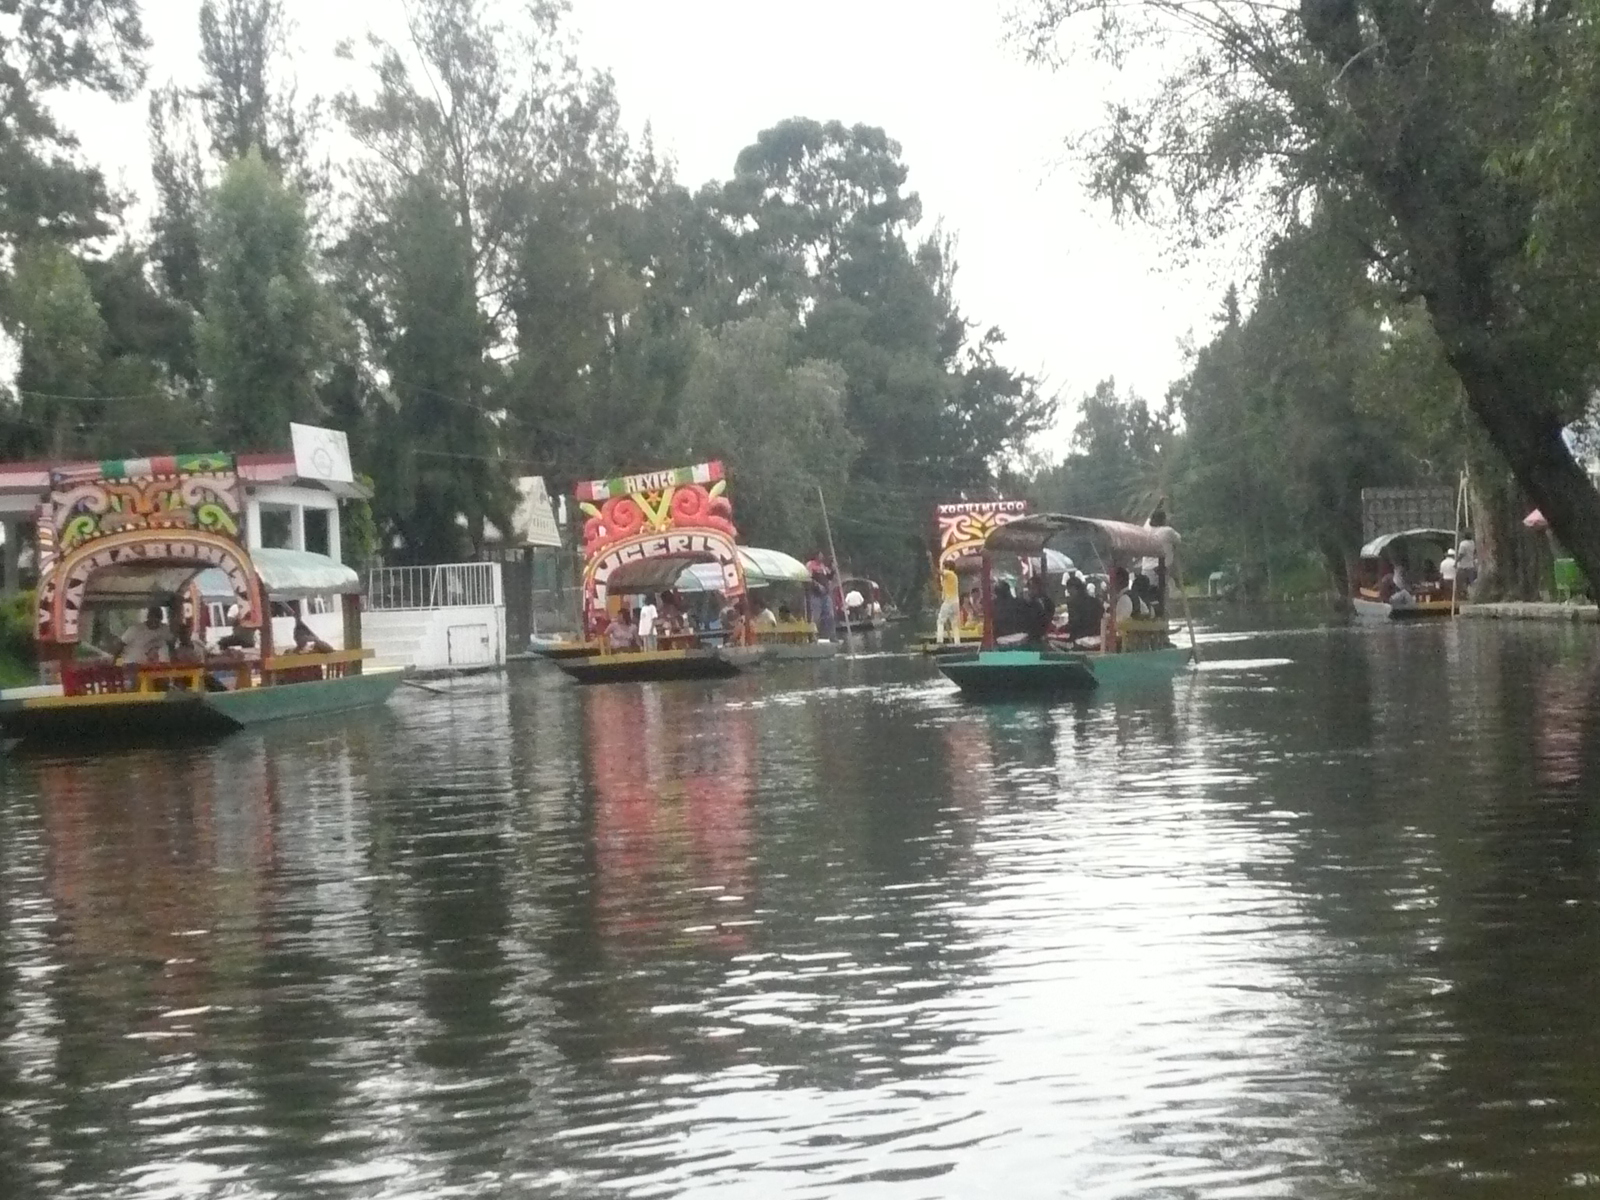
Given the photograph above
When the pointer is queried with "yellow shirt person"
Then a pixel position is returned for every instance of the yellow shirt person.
(949, 606)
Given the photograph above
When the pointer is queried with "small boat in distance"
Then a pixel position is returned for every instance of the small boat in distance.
(868, 613)
(1402, 577)
(1144, 651)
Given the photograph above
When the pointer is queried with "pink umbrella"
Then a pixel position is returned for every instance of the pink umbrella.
(1535, 520)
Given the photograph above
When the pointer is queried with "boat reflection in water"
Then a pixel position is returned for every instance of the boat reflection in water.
(672, 777)
(160, 873)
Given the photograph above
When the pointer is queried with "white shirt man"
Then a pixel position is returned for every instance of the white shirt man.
(149, 642)
(853, 599)
(647, 622)
(1447, 568)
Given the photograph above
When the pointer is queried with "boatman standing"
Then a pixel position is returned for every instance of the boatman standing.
(647, 622)
(949, 606)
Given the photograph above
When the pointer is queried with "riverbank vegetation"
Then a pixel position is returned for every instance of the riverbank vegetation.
(1446, 154)
(469, 265)
(496, 280)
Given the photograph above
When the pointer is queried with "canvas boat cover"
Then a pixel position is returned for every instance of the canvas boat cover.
(1378, 545)
(1118, 540)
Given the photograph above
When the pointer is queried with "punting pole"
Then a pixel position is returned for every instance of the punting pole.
(1455, 581)
(833, 556)
(1183, 594)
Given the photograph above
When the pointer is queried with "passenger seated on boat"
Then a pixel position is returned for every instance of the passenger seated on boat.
(239, 640)
(1146, 597)
(1392, 586)
(1041, 610)
(1083, 611)
(307, 642)
(1120, 609)
(147, 643)
(785, 614)
(187, 652)
(766, 619)
(619, 634)
(1013, 618)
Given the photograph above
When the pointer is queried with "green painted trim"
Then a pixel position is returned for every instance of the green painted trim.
(1139, 665)
(282, 701)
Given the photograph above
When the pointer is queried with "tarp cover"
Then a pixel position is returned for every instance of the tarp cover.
(288, 575)
(1111, 539)
(762, 568)
(1378, 545)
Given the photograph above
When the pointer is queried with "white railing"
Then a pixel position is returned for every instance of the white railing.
(449, 585)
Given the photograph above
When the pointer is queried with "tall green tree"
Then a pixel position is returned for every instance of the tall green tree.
(471, 103)
(776, 420)
(52, 46)
(604, 294)
(266, 326)
(1419, 128)
(61, 337)
(246, 100)
(437, 465)
(1117, 447)
(1328, 386)
(816, 218)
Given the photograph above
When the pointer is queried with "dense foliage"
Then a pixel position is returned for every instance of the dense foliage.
(1451, 145)
(500, 283)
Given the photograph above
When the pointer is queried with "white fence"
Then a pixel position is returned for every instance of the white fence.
(450, 585)
(446, 618)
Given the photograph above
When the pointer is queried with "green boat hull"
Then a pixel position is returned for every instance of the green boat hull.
(189, 716)
(1007, 674)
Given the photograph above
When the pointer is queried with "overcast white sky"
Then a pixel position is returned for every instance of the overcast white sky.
(1078, 297)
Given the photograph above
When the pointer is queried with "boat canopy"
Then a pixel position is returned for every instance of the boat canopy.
(287, 575)
(1111, 539)
(1378, 545)
(761, 568)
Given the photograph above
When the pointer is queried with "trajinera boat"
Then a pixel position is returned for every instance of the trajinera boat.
(641, 532)
(1141, 648)
(775, 583)
(143, 536)
(1402, 577)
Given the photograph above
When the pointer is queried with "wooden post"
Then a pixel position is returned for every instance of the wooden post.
(1455, 546)
(1177, 578)
(833, 557)
(352, 628)
(266, 628)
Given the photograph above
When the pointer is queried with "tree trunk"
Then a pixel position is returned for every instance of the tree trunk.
(1509, 563)
(1527, 432)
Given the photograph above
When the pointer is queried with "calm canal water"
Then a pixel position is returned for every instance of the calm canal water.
(1321, 920)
